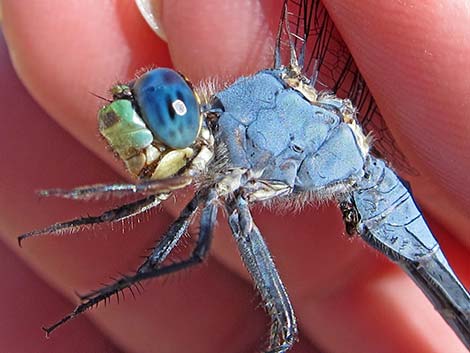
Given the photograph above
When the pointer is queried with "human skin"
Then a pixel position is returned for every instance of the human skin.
(347, 297)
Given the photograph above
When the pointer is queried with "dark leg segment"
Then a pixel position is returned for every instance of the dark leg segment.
(114, 215)
(97, 191)
(257, 259)
(159, 253)
(150, 268)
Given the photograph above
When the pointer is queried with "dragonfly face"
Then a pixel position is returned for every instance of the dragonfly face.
(153, 123)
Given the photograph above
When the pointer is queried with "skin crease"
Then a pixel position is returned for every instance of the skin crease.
(347, 298)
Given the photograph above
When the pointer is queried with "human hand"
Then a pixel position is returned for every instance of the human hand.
(346, 297)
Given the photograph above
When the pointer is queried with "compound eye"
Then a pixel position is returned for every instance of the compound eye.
(168, 107)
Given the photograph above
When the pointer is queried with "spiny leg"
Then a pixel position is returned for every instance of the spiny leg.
(165, 245)
(257, 259)
(163, 248)
(97, 191)
(113, 215)
(207, 222)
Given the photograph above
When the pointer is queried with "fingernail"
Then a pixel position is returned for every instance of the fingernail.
(151, 11)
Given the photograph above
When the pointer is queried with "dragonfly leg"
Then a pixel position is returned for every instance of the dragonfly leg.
(257, 259)
(98, 191)
(179, 227)
(114, 215)
(150, 268)
(159, 252)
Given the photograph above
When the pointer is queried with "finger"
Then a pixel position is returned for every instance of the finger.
(209, 50)
(173, 15)
(238, 39)
(71, 110)
(334, 252)
(88, 48)
(407, 84)
(381, 311)
(26, 301)
(415, 60)
(171, 317)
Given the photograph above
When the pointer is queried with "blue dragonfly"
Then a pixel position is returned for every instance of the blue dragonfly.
(279, 135)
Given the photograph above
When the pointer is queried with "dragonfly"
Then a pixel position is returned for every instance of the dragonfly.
(289, 133)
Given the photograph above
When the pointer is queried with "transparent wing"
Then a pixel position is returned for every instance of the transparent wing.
(322, 51)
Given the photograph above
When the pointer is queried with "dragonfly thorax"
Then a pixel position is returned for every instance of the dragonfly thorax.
(274, 129)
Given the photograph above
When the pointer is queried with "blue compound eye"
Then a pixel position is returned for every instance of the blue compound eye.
(168, 107)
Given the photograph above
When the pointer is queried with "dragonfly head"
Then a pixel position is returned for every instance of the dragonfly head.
(154, 124)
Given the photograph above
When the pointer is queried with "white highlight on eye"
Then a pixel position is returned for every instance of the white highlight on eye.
(179, 107)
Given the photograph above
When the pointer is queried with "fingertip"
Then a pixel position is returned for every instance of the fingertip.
(64, 50)
(151, 10)
(376, 312)
(414, 59)
(219, 38)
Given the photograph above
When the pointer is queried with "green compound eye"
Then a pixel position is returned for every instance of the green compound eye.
(168, 106)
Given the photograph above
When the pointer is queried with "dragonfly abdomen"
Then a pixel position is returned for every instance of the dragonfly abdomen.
(387, 210)
(390, 221)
